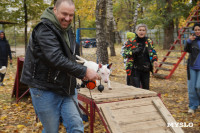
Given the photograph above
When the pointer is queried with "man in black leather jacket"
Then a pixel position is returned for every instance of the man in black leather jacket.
(50, 69)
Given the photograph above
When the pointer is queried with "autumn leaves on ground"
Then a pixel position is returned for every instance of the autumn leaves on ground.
(20, 117)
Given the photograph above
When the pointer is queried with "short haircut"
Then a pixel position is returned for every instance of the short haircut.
(141, 25)
(58, 2)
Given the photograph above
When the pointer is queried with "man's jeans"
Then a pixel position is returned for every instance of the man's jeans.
(50, 106)
(194, 89)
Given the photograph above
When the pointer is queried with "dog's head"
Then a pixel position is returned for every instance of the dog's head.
(104, 72)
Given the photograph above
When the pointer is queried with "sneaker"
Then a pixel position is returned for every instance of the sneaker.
(191, 111)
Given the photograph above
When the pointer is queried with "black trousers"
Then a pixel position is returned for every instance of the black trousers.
(140, 79)
(2, 77)
(128, 80)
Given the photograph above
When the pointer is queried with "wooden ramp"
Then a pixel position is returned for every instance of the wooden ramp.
(147, 115)
(126, 109)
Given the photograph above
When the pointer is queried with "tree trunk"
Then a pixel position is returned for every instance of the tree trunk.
(168, 26)
(102, 52)
(110, 28)
(117, 35)
(25, 28)
(135, 16)
(168, 35)
(177, 23)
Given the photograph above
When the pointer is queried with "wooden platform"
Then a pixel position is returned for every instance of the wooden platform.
(126, 109)
(118, 92)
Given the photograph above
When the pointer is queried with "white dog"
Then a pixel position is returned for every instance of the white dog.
(3, 69)
(103, 70)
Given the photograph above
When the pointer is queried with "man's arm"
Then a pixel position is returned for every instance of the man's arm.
(51, 53)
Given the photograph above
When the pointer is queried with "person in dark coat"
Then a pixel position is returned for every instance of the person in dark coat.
(193, 68)
(4, 53)
(141, 58)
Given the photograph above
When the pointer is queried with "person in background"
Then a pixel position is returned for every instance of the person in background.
(4, 53)
(130, 36)
(50, 70)
(193, 68)
(142, 58)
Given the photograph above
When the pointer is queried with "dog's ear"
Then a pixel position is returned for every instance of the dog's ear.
(109, 66)
(100, 65)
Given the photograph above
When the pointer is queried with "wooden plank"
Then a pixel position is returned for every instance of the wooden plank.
(141, 117)
(117, 93)
(166, 115)
(163, 68)
(129, 103)
(135, 110)
(173, 57)
(120, 95)
(113, 93)
(112, 99)
(118, 88)
(193, 22)
(142, 125)
(178, 51)
(152, 130)
(113, 125)
(167, 63)
(162, 76)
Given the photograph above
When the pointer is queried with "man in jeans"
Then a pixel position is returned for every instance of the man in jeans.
(50, 69)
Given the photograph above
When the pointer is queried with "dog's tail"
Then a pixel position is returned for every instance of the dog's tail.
(80, 58)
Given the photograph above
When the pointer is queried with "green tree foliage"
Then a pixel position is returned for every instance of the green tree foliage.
(85, 9)
(13, 10)
(151, 12)
(85, 16)
(165, 14)
(155, 12)
(124, 12)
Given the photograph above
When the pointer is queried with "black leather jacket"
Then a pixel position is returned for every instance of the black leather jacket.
(49, 62)
(193, 49)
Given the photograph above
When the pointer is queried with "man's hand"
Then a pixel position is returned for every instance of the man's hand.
(91, 75)
(192, 37)
(137, 50)
(10, 61)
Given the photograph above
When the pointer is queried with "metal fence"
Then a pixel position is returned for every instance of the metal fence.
(157, 35)
(15, 39)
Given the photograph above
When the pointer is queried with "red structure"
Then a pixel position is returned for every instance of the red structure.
(19, 89)
(193, 18)
(91, 113)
